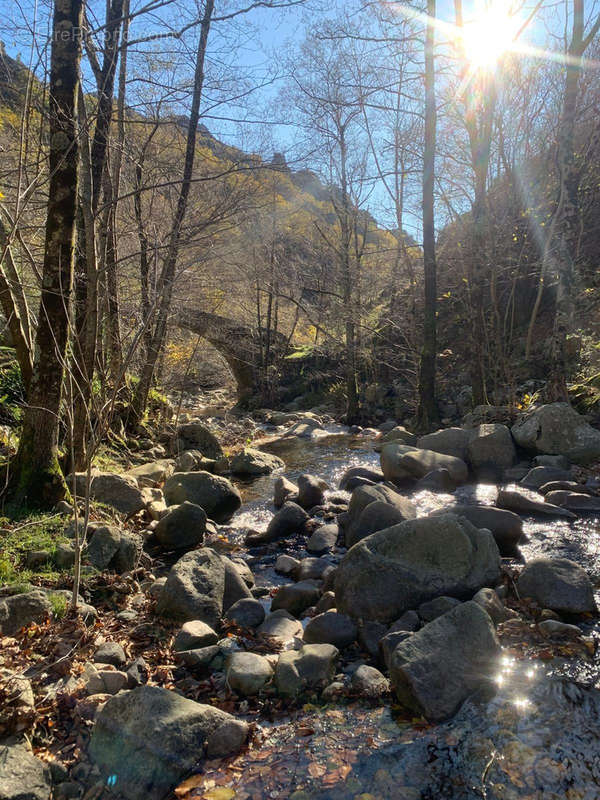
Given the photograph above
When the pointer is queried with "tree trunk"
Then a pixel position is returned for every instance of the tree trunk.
(37, 479)
(14, 307)
(168, 272)
(427, 413)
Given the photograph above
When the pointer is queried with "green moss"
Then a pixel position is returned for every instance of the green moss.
(29, 532)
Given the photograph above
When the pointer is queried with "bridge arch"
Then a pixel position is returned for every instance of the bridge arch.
(240, 345)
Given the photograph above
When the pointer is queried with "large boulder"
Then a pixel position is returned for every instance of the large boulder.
(182, 527)
(216, 495)
(390, 508)
(558, 584)
(20, 610)
(397, 569)
(434, 671)
(120, 492)
(196, 436)
(399, 462)
(112, 549)
(195, 588)
(557, 429)
(491, 445)
(506, 526)
(154, 473)
(311, 667)
(252, 462)
(538, 476)
(147, 740)
(22, 775)
(449, 441)
(391, 462)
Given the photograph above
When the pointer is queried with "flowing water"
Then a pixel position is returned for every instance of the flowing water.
(537, 737)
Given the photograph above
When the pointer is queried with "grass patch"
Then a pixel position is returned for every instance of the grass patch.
(59, 604)
(29, 533)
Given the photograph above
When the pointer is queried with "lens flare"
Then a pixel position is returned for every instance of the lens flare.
(489, 34)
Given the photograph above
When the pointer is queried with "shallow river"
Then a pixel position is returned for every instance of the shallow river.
(537, 737)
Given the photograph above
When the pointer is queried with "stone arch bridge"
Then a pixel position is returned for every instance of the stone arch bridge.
(242, 347)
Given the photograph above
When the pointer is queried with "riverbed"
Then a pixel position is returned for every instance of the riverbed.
(536, 736)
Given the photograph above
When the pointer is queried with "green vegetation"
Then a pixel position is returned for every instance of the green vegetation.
(33, 533)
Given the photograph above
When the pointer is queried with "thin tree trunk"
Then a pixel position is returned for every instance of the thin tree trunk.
(427, 413)
(14, 307)
(37, 479)
(168, 273)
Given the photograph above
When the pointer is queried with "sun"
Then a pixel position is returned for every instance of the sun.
(489, 34)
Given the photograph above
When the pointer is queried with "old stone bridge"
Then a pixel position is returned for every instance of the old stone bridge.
(242, 347)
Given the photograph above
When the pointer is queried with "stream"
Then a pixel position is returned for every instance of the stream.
(536, 737)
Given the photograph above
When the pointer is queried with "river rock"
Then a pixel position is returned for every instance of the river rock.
(370, 633)
(247, 613)
(433, 609)
(323, 540)
(558, 462)
(524, 503)
(557, 429)
(326, 603)
(331, 628)
(154, 473)
(491, 603)
(390, 509)
(506, 526)
(110, 653)
(312, 568)
(574, 501)
(391, 462)
(281, 625)
(491, 445)
(182, 527)
(288, 521)
(397, 569)
(151, 738)
(409, 621)
(286, 565)
(248, 673)
(22, 775)
(558, 584)
(296, 597)
(398, 434)
(436, 669)
(438, 480)
(555, 628)
(21, 610)
(389, 643)
(353, 473)
(311, 491)
(121, 492)
(369, 682)
(311, 667)
(254, 462)
(283, 491)
(194, 588)
(538, 476)
(193, 635)
(566, 486)
(448, 441)
(418, 463)
(196, 436)
(216, 495)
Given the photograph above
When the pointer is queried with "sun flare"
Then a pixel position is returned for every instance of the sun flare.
(489, 34)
